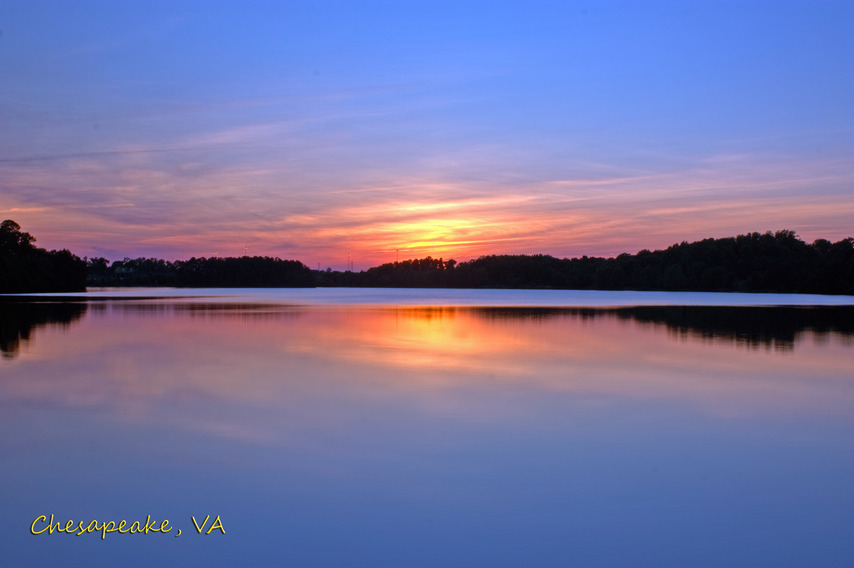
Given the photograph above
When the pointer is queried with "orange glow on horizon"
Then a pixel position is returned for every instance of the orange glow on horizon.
(412, 217)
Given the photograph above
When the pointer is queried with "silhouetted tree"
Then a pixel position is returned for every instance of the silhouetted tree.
(26, 268)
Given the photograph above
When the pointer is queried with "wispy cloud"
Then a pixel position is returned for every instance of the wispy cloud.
(307, 186)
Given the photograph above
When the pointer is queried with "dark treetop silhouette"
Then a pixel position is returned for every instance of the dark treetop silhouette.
(27, 268)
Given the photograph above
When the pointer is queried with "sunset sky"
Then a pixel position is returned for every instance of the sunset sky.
(314, 130)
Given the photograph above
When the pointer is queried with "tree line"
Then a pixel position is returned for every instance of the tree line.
(754, 262)
(228, 272)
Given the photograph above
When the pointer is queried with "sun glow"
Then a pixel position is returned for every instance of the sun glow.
(441, 236)
(442, 229)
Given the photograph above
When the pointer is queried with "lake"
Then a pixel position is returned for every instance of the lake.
(422, 428)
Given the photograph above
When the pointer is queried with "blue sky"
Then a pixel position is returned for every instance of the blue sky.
(310, 130)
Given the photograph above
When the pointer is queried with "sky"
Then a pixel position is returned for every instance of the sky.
(375, 131)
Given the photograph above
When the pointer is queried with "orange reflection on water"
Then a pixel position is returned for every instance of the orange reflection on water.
(129, 354)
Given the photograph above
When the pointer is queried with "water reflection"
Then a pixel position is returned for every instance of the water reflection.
(777, 327)
(128, 351)
(19, 320)
(769, 327)
(341, 436)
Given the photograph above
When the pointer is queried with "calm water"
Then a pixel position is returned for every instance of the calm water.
(401, 429)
